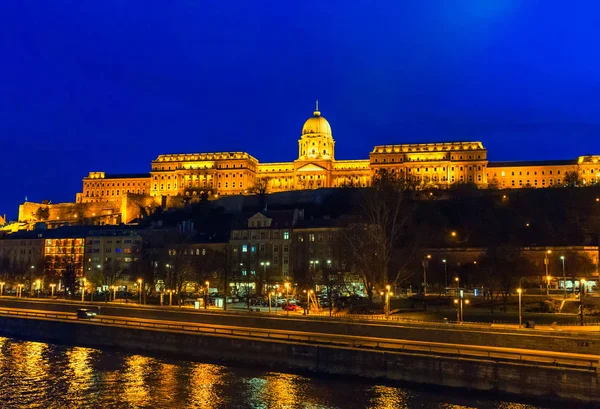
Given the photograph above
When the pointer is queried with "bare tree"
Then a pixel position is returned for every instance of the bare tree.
(386, 210)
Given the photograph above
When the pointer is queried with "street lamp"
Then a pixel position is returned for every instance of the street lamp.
(453, 234)
(207, 288)
(520, 316)
(546, 262)
(52, 290)
(140, 281)
(287, 298)
(425, 265)
(445, 273)
(562, 258)
(264, 264)
(39, 284)
(457, 310)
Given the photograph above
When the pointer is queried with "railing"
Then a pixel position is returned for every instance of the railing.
(383, 344)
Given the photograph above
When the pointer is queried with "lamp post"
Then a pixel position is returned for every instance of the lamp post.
(457, 310)
(546, 262)
(170, 298)
(264, 265)
(52, 290)
(562, 258)
(206, 302)
(83, 290)
(425, 265)
(581, 295)
(314, 264)
(387, 299)
(462, 309)
(1, 288)
(519, 291)
(39, 284)
(445, 273)
(140, 281)
(271, 294)
(287, 298)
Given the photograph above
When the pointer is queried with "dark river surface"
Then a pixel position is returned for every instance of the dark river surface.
(40, 375)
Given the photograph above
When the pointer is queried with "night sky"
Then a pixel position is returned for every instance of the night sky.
(109, 85)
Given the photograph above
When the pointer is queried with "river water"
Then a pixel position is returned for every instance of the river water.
(40, 375)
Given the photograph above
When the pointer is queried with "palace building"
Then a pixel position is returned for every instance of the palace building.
(431, 165)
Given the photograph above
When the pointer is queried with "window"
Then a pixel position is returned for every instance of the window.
(262, 248)
(300, 238)
(285, 248)
(253, 249)
(244, 248)
(276, 248)
(311, 237)
(286, 235)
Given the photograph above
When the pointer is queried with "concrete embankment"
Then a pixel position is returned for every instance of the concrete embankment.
(560, 341)
(542, 381)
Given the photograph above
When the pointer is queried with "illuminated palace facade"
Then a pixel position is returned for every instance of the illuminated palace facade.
(435, 165)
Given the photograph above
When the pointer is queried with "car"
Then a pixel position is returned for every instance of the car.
(85, 313)
(290, 307)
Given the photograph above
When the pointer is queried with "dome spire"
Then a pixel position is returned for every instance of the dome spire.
(317, 113)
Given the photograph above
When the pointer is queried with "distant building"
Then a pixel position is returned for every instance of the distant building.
(175, 179)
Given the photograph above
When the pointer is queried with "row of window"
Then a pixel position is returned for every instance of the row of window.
(262, 248)
(98, 193)
(99, 184)
(401, 159)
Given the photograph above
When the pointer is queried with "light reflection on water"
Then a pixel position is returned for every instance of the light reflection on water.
(39, 375)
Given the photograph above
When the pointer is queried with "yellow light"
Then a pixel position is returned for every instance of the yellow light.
(548, 278)
(453, 234)
(456, 279)
(549, 251)
(429, 256)
(388, 287)
(519, 290)
(466, 301)
(391, 294)
(139, 280)
(381, 293)
(207, 283)
(455, 301)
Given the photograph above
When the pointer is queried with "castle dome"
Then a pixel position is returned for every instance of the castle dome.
(317, 125)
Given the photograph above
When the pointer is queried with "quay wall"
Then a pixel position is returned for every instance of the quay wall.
(538, 381)
(581, 343)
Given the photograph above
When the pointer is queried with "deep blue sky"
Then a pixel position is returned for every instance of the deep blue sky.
(108, 85)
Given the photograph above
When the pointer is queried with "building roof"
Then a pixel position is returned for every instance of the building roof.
(126, 175)
(533, 163)
(70, 232)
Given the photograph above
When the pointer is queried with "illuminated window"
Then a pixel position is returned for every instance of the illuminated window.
(286, 235)
(311, 237)
(244, 248)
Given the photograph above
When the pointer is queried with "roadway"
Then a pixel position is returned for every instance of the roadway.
(466, 334)
(515, 355)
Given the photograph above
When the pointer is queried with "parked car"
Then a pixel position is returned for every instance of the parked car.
(290, 307)
(85, 313)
